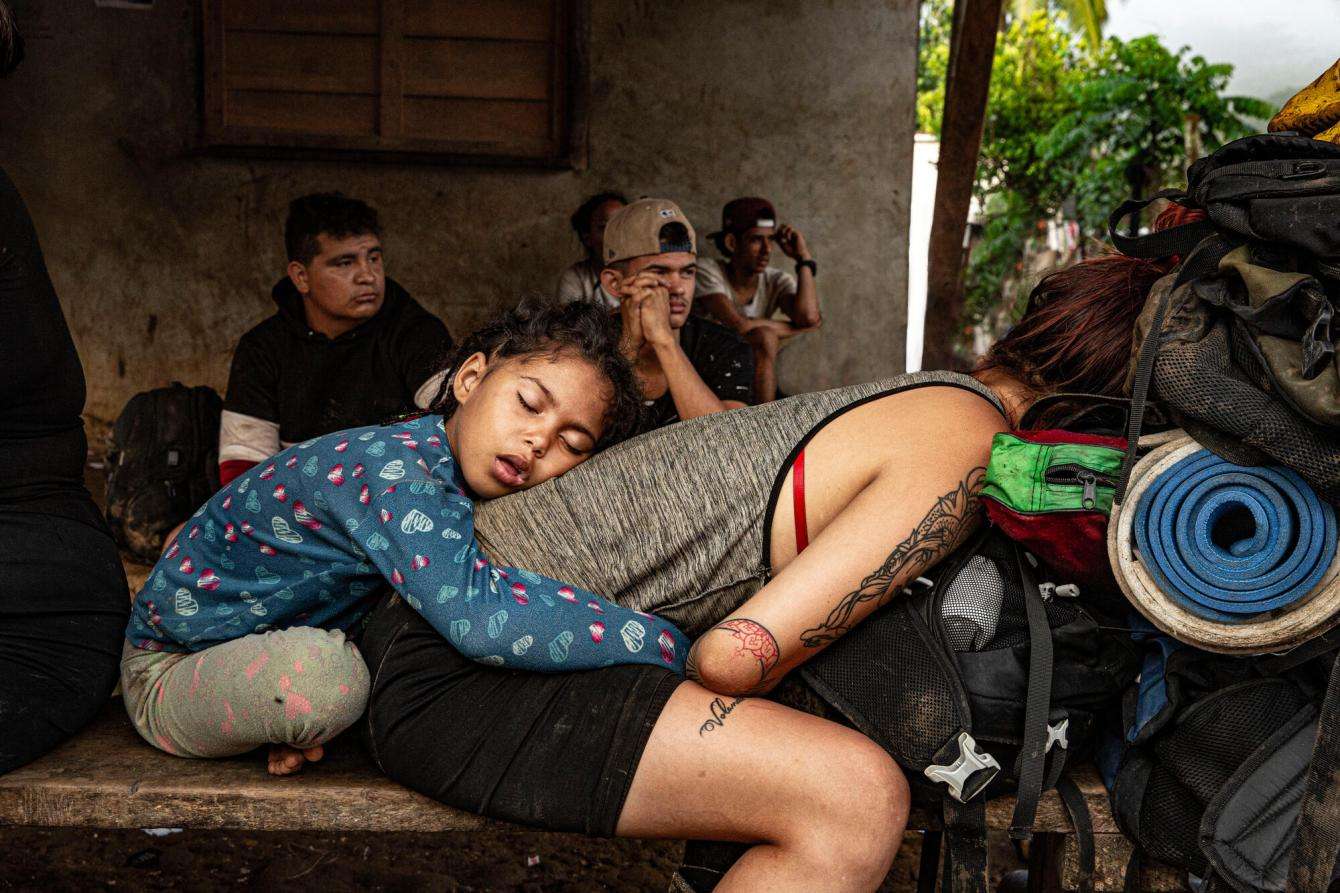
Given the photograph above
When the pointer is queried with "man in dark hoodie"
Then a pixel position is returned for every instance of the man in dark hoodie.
(347, 346)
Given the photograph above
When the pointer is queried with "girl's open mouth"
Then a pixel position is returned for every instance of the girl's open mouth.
(509, 471)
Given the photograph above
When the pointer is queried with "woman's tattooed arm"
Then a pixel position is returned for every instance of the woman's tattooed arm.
(945, 526)
(750, 640)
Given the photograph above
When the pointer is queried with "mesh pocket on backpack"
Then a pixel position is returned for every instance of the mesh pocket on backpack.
(885, 677)
(1203, 382)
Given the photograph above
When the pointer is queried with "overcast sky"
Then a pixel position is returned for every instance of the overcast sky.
(1274, 45)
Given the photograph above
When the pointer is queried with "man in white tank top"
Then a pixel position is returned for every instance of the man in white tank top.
(764, 305)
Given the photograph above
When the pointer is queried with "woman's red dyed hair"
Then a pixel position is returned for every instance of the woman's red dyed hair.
(1077, 331)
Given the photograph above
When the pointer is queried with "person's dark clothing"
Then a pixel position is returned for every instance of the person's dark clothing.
(63, 596)
(556, 751)
(724, 361)
(42, 443)
(307, 384)
(63, 609)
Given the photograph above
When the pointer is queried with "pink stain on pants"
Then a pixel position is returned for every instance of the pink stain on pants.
(294, 703)
(255, 666)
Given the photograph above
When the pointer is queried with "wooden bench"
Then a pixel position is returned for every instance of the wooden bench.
(107, 777)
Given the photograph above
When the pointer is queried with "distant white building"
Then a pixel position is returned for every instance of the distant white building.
(925, 159)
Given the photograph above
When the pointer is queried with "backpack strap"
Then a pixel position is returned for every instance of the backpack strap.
(1091, 401)
(928, 868)
(1202, 259)
(1037, 707)
(964, 867)
(1318, 843)
(1177, 240)
(1073, 801)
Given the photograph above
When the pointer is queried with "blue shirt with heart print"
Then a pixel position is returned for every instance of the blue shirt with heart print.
(307, 538)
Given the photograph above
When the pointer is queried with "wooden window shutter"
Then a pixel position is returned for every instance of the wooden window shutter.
(450, 79)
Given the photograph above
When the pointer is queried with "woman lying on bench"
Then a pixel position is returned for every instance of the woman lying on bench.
(238, 637)
(765, 533)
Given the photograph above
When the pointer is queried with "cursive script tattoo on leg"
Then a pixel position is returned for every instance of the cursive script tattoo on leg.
(751, 638)
(941, 531)
(719, 710)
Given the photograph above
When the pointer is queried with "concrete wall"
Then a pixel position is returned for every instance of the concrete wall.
(163, 257)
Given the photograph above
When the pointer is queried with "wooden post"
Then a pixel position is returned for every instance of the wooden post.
(972, 50)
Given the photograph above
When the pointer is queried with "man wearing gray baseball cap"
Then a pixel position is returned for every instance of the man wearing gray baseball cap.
(687, 366)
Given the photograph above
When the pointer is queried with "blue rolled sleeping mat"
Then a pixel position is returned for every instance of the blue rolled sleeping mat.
(1230, 542)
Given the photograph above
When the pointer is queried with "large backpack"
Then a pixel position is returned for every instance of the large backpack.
(1232, 769)
(162, 465)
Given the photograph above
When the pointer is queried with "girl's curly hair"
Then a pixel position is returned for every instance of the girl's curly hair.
(546, 329)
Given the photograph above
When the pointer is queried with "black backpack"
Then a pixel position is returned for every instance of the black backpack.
(985, 678)
(1235, 776)
(1216, 764)
(163, 464)
(1248, 372)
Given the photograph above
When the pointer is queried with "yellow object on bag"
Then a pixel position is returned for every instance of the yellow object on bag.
(1313, 111)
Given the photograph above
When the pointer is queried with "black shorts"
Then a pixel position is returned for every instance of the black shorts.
(554, 751)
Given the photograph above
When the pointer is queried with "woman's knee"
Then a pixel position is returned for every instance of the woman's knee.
(860, 811)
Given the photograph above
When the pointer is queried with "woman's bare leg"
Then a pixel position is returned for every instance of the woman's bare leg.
(825, 805)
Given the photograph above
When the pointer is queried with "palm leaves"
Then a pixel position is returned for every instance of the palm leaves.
(1085, 16)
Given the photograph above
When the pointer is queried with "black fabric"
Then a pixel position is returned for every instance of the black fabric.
(63, 595)
(1280, 195)
(42, 444)
(1078, 809)
(723, 360)
(310, 385)
(706, 862)
(63, 610)
(552, 751)
(1316, 856)
(897, 679)
(1207, 783)
(1248, 831)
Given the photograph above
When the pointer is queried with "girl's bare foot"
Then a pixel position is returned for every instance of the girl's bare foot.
(286, 760)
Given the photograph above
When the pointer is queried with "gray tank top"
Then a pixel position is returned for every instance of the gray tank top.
(674, 522)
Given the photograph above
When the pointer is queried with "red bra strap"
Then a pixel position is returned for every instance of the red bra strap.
(798, 502)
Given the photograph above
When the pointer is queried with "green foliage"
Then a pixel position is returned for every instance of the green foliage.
(937, 17)
(1066, 119)
(1134, 108)
(1086, 17)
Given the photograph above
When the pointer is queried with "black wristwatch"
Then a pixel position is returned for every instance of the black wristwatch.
(814, 268)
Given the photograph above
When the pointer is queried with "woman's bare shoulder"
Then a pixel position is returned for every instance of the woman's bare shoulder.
(965, 407)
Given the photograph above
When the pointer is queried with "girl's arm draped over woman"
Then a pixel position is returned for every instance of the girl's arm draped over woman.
(496, 614)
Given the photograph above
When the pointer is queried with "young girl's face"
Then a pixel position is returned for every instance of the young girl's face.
(523, 420)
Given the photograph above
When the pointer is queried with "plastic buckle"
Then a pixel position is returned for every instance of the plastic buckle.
(1056, 734)
(1065, 590)
(968, 773)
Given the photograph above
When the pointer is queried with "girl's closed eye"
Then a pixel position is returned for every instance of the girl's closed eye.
(529, 408)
